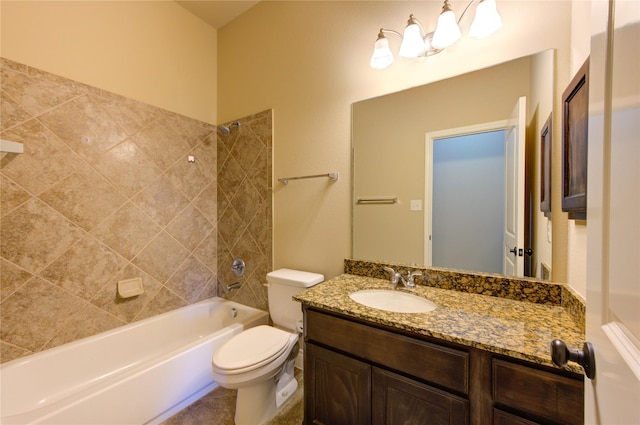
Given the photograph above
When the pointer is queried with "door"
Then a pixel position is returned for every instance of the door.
(513, 258)
(613, 209)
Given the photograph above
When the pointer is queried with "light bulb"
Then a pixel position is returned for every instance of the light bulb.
(412, 40)
(447, 30)
(382, 56)
(487, 20)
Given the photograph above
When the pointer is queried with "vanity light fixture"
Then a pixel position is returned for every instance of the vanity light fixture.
(416, 42)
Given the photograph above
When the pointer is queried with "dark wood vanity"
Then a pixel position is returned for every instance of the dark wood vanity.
(359, 372)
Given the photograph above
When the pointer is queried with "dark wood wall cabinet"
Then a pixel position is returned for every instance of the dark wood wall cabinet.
(575, 134)
(356, 373)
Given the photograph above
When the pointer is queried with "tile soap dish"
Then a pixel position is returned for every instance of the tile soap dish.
(130, 287)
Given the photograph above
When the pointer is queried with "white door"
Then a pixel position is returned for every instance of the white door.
(613, 215)
(513, 258)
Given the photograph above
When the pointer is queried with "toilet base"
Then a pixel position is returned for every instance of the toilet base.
(258, 403)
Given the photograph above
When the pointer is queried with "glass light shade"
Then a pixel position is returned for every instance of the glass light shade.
(447, 30)
(412, 42)
(487, 20)
(382, 56)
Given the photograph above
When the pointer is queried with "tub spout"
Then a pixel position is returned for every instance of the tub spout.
(233, 286)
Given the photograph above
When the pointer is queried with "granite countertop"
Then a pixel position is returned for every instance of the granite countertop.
(518, 329)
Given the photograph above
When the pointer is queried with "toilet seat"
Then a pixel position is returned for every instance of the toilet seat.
(251, 349)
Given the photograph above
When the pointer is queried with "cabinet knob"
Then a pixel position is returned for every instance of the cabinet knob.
(586, 357)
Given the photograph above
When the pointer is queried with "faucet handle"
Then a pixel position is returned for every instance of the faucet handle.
(394, 275)
(413, 274)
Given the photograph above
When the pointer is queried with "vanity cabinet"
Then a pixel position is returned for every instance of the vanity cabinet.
(358, 373)
(361, 375)
(536, 393)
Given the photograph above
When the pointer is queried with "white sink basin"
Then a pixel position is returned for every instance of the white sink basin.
(395, 301)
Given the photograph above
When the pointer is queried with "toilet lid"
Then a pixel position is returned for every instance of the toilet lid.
(252, 347)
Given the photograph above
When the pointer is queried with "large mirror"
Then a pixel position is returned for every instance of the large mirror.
(428, 189)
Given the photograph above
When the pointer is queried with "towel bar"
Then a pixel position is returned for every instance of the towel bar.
(285, 180)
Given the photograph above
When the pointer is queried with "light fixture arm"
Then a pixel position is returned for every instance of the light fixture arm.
(388, 31)
(465, 10)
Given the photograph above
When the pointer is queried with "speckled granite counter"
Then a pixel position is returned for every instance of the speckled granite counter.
(518, 329)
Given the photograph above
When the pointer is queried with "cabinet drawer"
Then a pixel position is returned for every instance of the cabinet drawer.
(438, 365)
(554, 397)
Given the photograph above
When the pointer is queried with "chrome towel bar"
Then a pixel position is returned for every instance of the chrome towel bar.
(285, 180)
(379, 200)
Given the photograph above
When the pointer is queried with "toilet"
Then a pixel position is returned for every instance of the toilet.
(259, 362)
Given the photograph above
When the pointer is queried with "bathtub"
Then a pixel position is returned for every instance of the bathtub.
(141, 373)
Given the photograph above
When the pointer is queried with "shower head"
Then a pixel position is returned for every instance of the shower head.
(226, 129)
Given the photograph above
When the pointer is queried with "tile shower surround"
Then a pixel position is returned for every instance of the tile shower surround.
(104, 192)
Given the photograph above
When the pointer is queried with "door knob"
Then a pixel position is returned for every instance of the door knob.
(586, 357)
(514, 251)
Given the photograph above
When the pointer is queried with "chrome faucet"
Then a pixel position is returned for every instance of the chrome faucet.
(233, 286)
(397, 277)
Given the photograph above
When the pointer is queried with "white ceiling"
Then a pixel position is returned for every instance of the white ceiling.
(217, 13)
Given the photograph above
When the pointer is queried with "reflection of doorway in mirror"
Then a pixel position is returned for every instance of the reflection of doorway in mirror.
(467, 245)
(468, 181)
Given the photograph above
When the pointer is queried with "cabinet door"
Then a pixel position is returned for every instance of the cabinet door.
(537, 393)
(337, 388)
(398, 400)
(504, 418)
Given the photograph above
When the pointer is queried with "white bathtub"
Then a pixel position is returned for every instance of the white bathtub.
(140, 373)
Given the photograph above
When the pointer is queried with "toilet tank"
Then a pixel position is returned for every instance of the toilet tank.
(283, 284)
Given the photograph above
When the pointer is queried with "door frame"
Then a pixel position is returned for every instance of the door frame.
(486, 127)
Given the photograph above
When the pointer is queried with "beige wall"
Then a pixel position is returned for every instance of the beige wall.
(539, 108)
(152, 51)
(577, 229)
(309, 61)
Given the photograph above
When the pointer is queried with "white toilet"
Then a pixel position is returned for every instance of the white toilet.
(259, 361)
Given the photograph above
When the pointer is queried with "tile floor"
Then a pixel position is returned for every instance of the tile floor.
(218, 408)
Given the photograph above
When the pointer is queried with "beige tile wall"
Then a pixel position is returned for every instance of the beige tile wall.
(245, 224)
(103, 192)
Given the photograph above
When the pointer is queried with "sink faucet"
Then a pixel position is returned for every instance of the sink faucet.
(397, 277)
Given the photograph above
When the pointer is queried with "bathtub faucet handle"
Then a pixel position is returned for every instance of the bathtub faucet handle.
(238, 267)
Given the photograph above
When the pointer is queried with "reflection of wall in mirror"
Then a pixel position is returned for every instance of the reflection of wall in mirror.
(388, 140)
